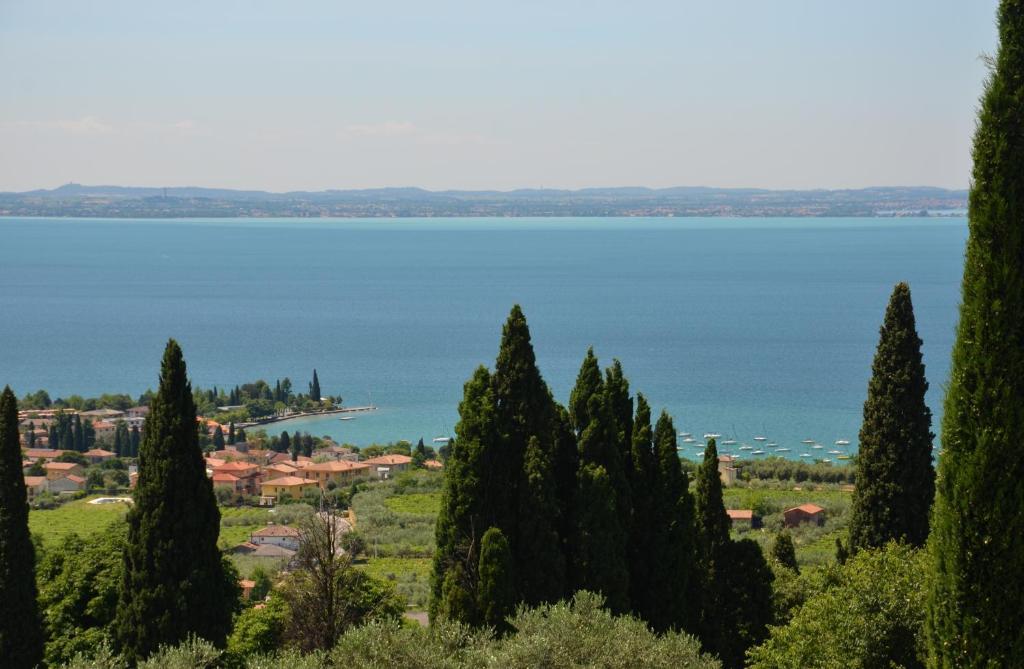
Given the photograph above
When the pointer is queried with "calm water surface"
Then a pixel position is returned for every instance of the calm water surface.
(744, 327)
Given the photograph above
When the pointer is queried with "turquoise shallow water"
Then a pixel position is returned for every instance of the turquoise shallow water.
(737, 326)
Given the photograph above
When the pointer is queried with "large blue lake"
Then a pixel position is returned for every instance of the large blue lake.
(737, 326)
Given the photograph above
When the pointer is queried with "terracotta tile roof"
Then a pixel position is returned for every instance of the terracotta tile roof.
(281, 467)
(276, 531)
(241, 467)
(214, 462)
(389, 460)
(61, 466)
(288, 481)
(36, 453)
(33, 481)
(224, 477)
(335, 466)
(98, 453)
(740, 514)
(77, 479)
(433, 464)
(807, 508)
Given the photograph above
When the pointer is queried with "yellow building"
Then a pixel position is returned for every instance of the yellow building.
(339, 472)
(286, 486)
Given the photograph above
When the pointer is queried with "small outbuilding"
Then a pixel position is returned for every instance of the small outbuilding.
(805, 513)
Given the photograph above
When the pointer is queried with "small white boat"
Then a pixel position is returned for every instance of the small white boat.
(685, 435)
(818, 446)
(744, 447)
(347, 418)
(826, 460)
(712, 435)
(783, 450)
(689, 440)
(805, 455)
(441, 440)
(835, 452)
(842, 457)
(807, 441)
(842, 442)
(728, 442)
(758, 453)
(759, 438)
(772, 444)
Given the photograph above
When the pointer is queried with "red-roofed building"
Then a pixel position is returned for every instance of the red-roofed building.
(433, 464)
(35, 485)
(286, 486)
(743, 516)
(387, 466)
(56, 470)
(246, 475)
(339, 472)
(276, 535)
(98, 455)
(805, 513)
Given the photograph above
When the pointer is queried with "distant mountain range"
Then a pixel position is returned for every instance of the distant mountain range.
(188, 202)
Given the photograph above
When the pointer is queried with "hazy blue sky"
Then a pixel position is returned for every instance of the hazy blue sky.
(311, 95)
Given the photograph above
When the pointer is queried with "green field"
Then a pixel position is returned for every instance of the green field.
(78, 517)
(411, 577)
(421, 503)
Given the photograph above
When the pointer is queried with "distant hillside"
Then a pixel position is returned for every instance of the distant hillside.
(189, 202)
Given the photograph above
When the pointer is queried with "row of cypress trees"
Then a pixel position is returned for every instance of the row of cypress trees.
(175, 582)
(541, 501)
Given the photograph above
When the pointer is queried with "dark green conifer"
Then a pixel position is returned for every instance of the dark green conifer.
(174, 583)
(524, 506)
(77, 434)
(240, 435)
(541, 563)
(314, 388)
(674, 606)
(642, 560)
(496, 594)
(746, 601)
(784, 551)
(895, 477)
(842, 552)
(460, 521)
(977, 535)
(231, 432)
(21, 633)
(136, 438)
(218, 439)
(588, 384)
(712, 534)
(284, 444)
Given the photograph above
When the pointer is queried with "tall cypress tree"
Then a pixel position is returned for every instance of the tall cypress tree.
(895, 477)
(540, 565)
(977, 539)
(643, 565)
(461, 520)
(314, 388)
(712, 534)
(136, 439)
(231, 432)
(21, 633)
(174, 583)
(496, 594)
(674, 535)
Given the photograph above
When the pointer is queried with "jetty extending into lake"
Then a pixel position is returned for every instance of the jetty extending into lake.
(266, 420)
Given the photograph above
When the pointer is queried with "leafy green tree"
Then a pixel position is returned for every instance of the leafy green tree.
(784, 552)
(895, 477)
(21, 634)
(872, 617)
(977, 527)
(496, 594)
(175, 583)
(258, 631)
(79, 592)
